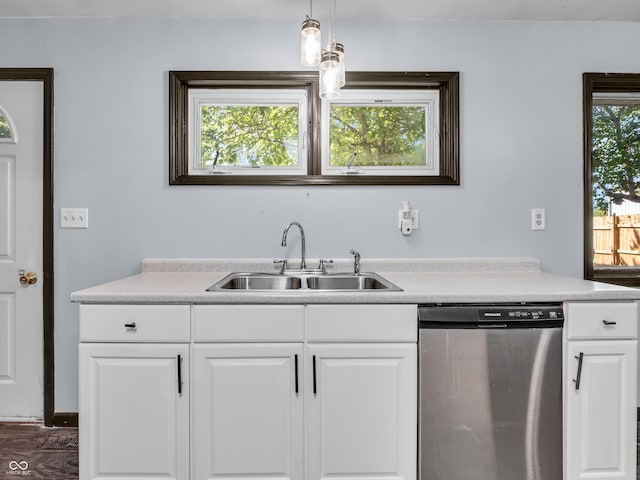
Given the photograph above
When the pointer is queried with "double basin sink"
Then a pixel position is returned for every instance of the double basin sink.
(303, 281)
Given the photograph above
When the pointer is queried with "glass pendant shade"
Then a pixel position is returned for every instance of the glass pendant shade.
(329, 60)
(338, 49)
(310, 50)
(330, 83)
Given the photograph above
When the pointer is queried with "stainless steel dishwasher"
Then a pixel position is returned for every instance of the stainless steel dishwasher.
(490, 392)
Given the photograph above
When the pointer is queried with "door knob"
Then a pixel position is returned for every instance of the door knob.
(28, 278)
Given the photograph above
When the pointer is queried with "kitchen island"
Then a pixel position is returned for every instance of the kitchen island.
(316, 384)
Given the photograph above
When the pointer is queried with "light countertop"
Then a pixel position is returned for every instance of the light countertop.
(184, 281)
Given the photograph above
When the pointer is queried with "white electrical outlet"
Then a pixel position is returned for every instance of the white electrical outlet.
(74, 218)
(538, 219)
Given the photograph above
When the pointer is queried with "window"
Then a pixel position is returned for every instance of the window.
(612, 177)
(381, 132)
(5, 128)
(242, 128)
(238, 131)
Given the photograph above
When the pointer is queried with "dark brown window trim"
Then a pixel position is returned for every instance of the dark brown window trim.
(181, 81)
(596, 83)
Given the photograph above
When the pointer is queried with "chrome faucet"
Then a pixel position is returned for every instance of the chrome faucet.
(303, 261)
(356, 261)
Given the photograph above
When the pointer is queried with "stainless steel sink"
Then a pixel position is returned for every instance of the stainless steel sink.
(257, 281)
(363, 281)
(302, 281)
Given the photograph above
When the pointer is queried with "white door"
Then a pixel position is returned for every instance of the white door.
(601, 413)
(136, 401)
(361, 412)
(21, 329)
(247, 411)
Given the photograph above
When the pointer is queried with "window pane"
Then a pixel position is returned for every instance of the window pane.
(616, 184)
(5, 130)
(241, 135)
(379, 136)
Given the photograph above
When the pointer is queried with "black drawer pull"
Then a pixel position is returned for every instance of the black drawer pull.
(130, 325)
(608, 323)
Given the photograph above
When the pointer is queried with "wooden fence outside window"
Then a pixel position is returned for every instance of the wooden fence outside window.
(616, 240)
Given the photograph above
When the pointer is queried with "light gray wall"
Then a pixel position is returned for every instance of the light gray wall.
(521, 146)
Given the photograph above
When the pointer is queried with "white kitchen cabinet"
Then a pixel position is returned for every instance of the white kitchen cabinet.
(254, 367)
(361, 392)
(134, 392)
(247, 411)
(600, 392)
(250, 410)
(134, 415)
(247, 399)
(361, 411)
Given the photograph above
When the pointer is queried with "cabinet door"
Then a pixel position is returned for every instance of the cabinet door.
(601, 413)
(247, 411)
(134, 414)
(361, 411)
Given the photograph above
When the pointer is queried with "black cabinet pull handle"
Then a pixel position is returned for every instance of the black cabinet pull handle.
(608, 323)
(130, 325)
(577, 380)
(179, 374)
(295, 360)
(315, 386)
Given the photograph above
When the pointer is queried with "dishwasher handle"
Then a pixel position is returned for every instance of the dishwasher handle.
(497, 324)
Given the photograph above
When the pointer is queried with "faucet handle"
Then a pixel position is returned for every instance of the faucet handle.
(323, 263)
(283, 262)
(356, 261)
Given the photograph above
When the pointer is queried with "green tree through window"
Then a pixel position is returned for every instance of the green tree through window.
(379, 136)
(616, 154)
(249, 135)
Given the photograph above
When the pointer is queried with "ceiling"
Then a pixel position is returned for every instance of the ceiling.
(571, 10)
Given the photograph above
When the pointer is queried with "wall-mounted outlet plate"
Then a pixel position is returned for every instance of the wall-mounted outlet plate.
(538, 219)
(74, 218)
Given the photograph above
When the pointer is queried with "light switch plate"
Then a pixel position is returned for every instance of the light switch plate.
(74, 218)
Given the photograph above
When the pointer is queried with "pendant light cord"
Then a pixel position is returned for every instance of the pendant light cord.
(332, 29)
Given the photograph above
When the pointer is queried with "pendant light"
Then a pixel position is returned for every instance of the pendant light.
(331, 61)
(330, 75)
(338, 49)
(310, 40)
(332, 65)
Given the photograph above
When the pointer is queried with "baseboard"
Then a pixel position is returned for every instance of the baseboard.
(20, 419)
(638, 414)
(64, 419)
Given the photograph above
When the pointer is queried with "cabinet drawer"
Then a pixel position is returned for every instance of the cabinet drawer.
(362, 323)
(248, 323)
(135, 323)
(602, 320)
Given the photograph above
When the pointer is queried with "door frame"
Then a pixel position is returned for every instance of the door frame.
(45, 75)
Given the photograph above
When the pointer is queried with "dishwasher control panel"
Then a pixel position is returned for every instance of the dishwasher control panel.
(506, 315)
(520, 313)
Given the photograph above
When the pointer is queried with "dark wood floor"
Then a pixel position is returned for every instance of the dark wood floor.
(31, 450)
(28, 449)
